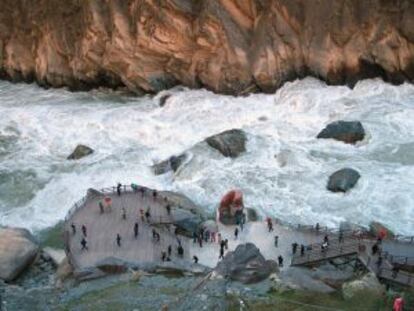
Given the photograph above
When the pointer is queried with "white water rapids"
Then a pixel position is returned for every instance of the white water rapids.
(283, 173)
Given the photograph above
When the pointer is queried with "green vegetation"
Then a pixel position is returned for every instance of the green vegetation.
(52, 236)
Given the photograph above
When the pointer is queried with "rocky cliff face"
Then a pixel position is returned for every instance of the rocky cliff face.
(229, 46)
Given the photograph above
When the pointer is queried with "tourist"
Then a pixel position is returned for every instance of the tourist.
(84, 230)
(269, 224)
(73, 228)
(398, 304)
(180, 251)
(302, 250)
(84, 244)
(154, 194)
(213, 237)
(280, 260)
(241, 225)
(101, 207)
(195, 259)
(142, 214)
(123, 213)
(168, 207)
(148, 214)
(341, 237)
(324, 246)
(163, 256)
(206, 236)
(276, 240)
(136, 230)
(169, 250)
(317, 227)
(118, 189)
(236, 233)
(221, 253)
(118, 239)
(294, 248)
(226, 244)
(194, 237)
(200, 240)
(326, 239)
(374, 249)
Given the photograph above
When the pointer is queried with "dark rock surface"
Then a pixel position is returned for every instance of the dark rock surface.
(171, 164)
(246, 264)
(80, 152)
(233, 46)
(229, 143)
(18, 249)
(349, 132)
(343, 180)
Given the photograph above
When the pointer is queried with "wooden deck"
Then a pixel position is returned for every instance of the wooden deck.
(361, 249)
(102, 229)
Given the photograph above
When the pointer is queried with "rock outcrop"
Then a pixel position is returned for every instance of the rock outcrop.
(229, 143)
(80, 152)
(349, 132)
(369, 283)
(17, 250)
(246, 264)
(343, 180)
(171, 164)
(232, 46)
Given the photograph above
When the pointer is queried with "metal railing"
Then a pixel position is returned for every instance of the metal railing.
(400, 260)
(400, 277)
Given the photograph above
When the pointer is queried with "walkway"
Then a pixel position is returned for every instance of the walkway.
(102, 229)
(361, 249)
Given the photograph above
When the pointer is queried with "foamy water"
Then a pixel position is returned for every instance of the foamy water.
(283, 173)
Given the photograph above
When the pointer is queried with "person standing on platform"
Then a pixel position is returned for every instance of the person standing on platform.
(84, 244)
(169, 250)
(123, 213)
(73, 228)
(221, 252)
(294, 248)
(118, 240)
(226, 244)
(136, 230)
(236, 233)
(101, 207)
(195, 259)
(118, 189)
(280, 260)
(276, 240)
(84, 230)
(302, 250)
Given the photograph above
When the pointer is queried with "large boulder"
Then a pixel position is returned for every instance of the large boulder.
(171, 164)
(229, 143)
(187, 216)
(18, 249)
(369, 283)
(246, 264)
(347, 131)
(80, 152)
(343, 180)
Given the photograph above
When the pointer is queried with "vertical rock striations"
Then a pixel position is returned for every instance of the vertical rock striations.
(229, 46)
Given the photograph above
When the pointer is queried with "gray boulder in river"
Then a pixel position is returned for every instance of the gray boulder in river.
(246, 264)
(80, 152)
(343, 180)
(18, 249)
(171, 164)
(229, 143)
(347, 131)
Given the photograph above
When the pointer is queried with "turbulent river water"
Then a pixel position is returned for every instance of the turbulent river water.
(283, 173)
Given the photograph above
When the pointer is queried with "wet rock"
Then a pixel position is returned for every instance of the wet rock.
(369, 283)
(64, 270)
(80, 152)
(343, 180)
(349, 132)
(164, 99)
(246, 264)
(377, 229)
(18, 249)
(229, 143)
(171, 164)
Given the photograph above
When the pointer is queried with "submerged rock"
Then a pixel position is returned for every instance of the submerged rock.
(164, 99)
(343, 180)
(229, 143)
(246, 264)
(80, 152)
(171, 164)
(347, 131)
(18, 249)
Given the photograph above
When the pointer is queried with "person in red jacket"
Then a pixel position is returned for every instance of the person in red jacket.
(398, 304)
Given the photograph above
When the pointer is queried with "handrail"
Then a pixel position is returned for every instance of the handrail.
(397, 276)
(401, 260)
